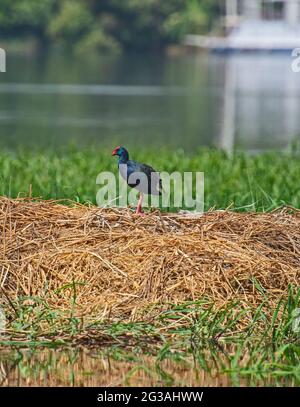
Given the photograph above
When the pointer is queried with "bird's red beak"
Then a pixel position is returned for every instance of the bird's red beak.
(115, 151)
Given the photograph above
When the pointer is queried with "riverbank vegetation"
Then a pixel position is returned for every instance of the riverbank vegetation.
(220, 290)
(214, 296)
(110, 25)
(217, 292)
(238, 181)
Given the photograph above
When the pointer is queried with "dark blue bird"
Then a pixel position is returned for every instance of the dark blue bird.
(140, 176)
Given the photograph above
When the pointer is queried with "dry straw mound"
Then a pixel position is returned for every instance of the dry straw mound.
(120, 264)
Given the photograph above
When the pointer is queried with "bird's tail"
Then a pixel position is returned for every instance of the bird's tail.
(160, 187)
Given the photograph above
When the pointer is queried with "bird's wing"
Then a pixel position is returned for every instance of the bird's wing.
(154, 184)
(148, 170)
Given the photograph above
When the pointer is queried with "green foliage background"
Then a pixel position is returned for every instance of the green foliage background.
(107, 25)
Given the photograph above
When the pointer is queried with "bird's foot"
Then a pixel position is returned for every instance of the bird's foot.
(139, 212)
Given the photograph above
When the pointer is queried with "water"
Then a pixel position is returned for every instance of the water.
(245, 101)
(88, 367)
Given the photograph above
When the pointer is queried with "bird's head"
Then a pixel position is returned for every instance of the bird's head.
(120, 151)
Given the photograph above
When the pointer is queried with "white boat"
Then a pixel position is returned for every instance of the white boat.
(259, 25)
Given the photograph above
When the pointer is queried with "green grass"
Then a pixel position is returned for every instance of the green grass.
(259, 182)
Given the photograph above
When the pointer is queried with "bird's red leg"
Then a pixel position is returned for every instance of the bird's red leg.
(139, 210)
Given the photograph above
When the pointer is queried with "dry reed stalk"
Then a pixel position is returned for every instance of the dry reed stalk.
(121, 264)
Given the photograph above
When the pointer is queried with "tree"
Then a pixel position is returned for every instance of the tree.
(107, 25)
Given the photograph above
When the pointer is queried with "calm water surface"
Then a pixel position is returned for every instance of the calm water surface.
(91, 368)
(245, 101)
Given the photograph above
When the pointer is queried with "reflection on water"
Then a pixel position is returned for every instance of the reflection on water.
(85, 367)
(249, 101)
(82, 368)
